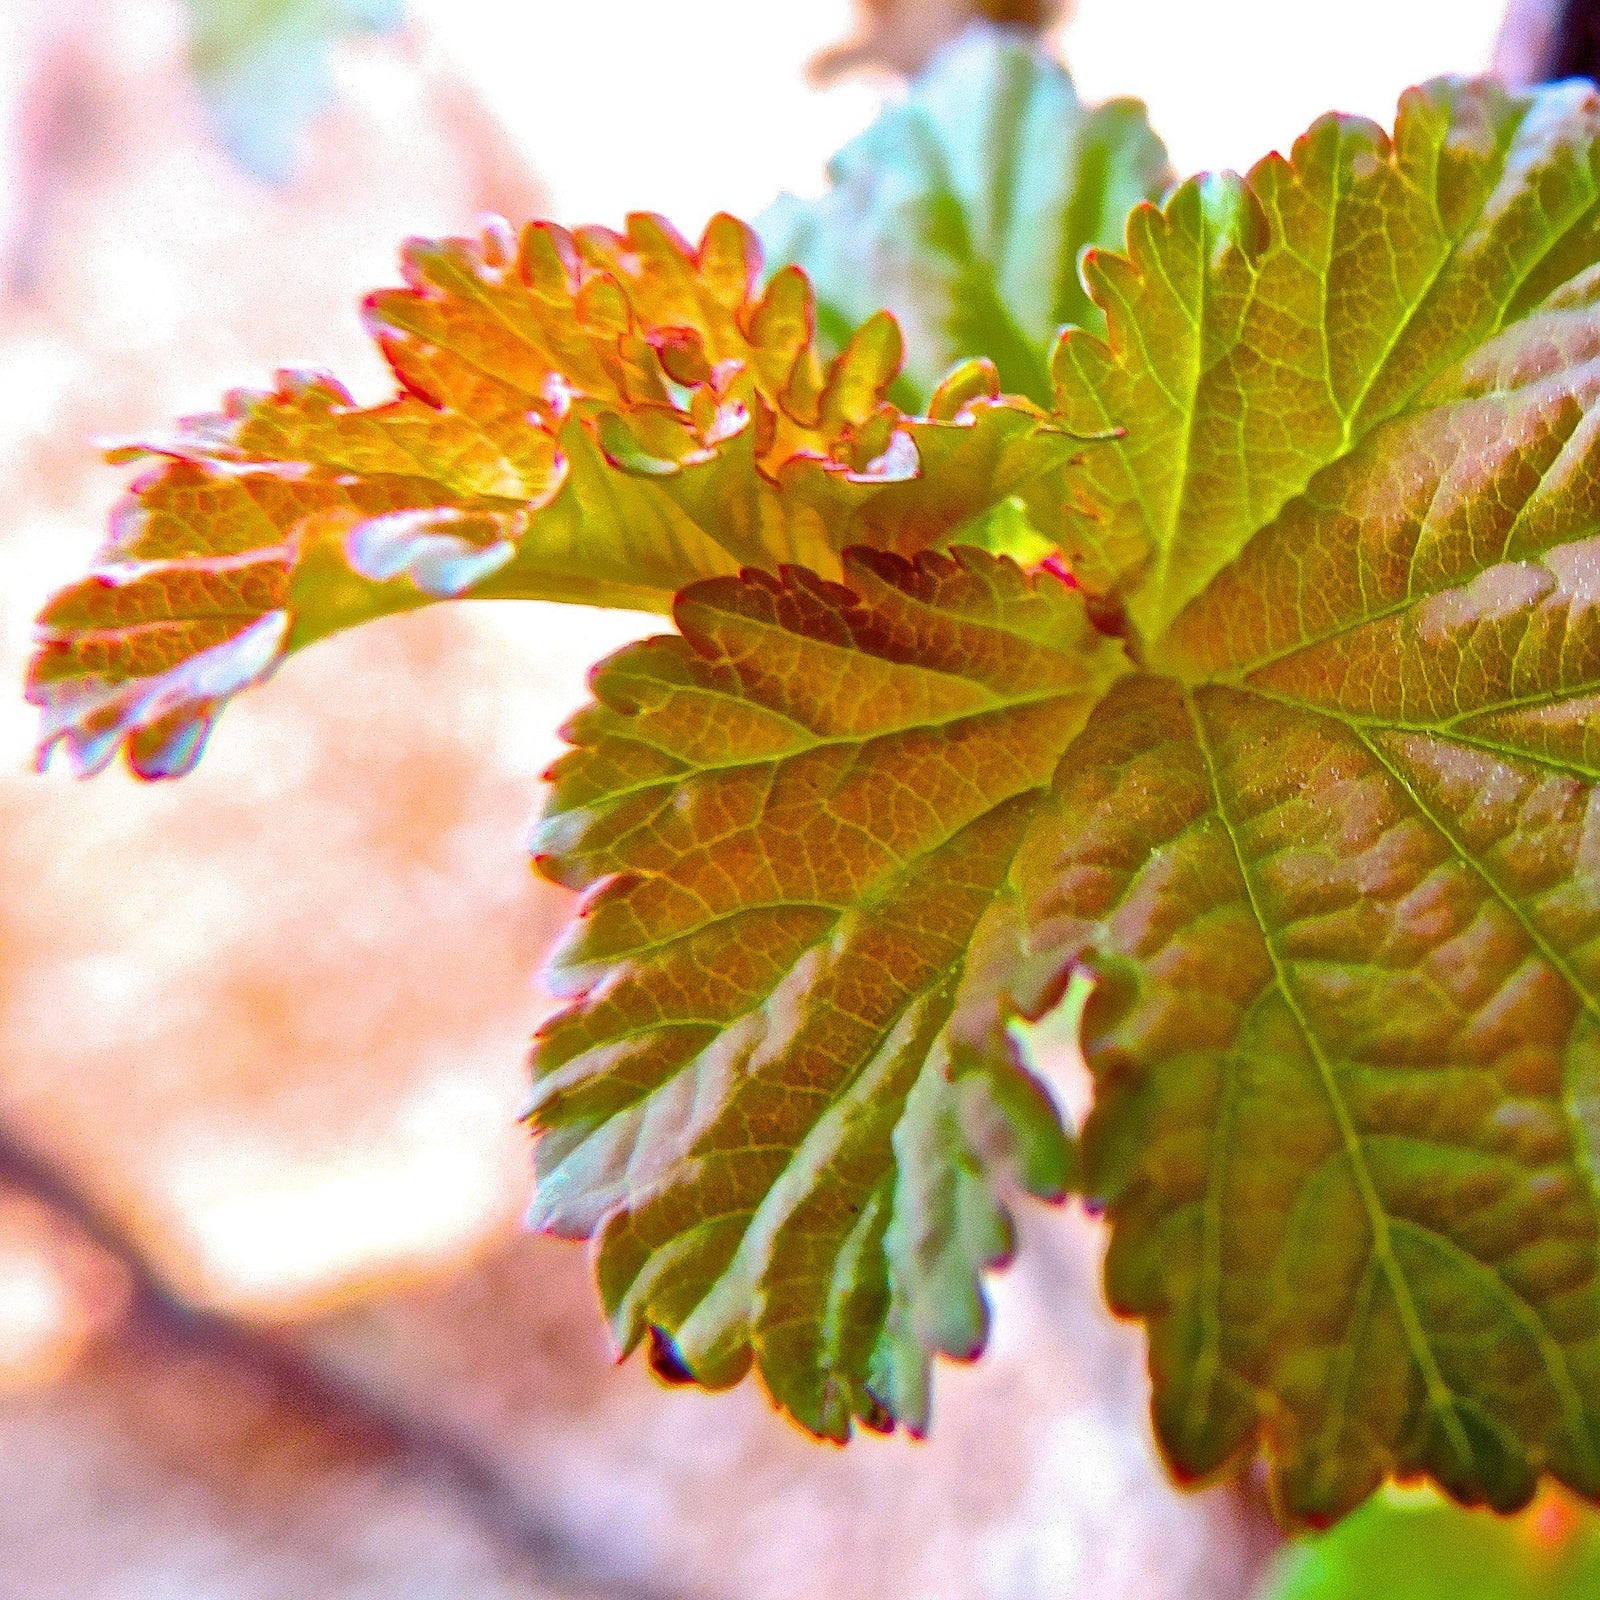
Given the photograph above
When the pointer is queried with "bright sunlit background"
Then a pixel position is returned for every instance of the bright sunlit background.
(703, 106)
(267, 1325)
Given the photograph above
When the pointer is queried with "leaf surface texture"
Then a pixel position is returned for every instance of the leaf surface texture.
(1334, 864)
(1298, 768)
(794, 825)
(589, 416)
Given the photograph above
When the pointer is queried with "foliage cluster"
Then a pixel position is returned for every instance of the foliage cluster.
(1230, 657)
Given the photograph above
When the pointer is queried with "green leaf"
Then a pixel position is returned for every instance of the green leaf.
(1263, 328)
(1299, 785)
(1413, 1547)
(770, 1102)
(584, 416)
(263, 69)
(1336, 871)
(964, 210)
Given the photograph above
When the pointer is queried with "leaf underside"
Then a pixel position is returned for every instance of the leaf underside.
(794, 824)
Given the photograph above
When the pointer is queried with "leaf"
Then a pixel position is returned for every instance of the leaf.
(964, 210)
(793, 825)
(1295, 776)
(262, 66)
(1334, 867)
(1415, 1547)
(1263, 328)
(588, 416)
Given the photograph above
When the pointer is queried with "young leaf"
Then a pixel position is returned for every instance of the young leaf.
(1336, 872)
(964, 210)
(795, 824)
(590, 417)
(1417, 1547)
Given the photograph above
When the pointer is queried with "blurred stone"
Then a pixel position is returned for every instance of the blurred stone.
(171, 1464)
(1039, 1479)
(60, 1292)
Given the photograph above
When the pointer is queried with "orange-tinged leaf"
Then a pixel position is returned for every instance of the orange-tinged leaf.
(586, 416)
(794, 826)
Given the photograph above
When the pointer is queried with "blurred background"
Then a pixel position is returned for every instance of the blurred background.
(268, 1327)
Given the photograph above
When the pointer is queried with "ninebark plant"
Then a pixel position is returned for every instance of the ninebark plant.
(1231, 657)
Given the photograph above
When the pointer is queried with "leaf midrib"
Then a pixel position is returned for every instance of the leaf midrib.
(1439, 1393)
(1358, 726)
(1524, 1312)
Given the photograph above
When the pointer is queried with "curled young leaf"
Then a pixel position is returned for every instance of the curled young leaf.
(794, 825)
(592, 416)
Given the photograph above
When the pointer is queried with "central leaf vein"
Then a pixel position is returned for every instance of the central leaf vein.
(1438, 1391)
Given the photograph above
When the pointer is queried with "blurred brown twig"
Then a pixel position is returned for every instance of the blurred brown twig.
(226, 1363)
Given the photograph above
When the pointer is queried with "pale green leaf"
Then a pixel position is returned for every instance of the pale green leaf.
(964, 210)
